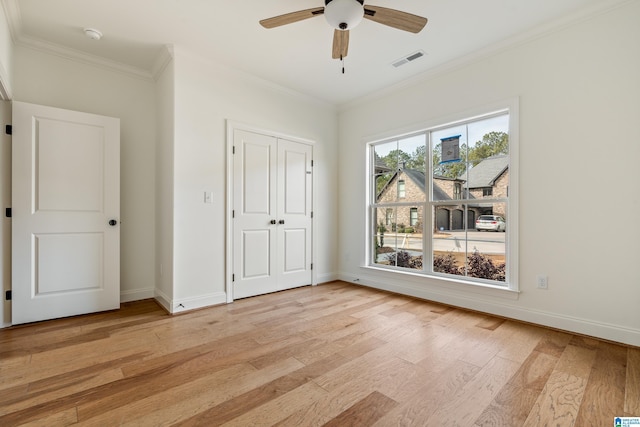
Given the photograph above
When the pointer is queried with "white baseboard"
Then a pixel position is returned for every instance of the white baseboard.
(188, 304)
(582, 326)
(327, 277)
(136, 295)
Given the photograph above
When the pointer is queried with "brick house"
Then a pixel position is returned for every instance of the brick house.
(489, 178)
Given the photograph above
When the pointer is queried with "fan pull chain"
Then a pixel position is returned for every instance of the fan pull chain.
(342, 60)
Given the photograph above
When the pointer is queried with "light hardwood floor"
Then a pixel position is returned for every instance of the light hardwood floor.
(336, 354)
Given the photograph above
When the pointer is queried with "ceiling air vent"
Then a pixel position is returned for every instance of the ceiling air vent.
(408, 58)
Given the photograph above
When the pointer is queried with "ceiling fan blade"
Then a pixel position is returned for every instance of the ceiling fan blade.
(340, 44)
(290, 18)
(395, 18)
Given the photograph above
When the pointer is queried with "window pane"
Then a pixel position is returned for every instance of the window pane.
(385, 238)
(384, 167)
(408, 238)
(400, 244)
(487, 157)
(473, 245)
(449, 239)
(486, 243)
(412, 152)
(412, 168)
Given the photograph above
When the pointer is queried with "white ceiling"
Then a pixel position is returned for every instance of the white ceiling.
(297, 56)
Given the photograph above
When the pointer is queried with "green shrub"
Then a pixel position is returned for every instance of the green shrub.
(446, 264)
(478, 265)
(404, 259)
(483, 267)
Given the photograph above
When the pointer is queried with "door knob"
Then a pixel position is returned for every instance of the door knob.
(113, 222)
(273, 221)
(281, 221)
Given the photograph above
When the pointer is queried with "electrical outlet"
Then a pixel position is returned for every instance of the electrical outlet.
(542, 282)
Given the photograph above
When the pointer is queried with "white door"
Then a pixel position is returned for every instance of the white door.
(65, 213)
(294, 214)
(272, 214)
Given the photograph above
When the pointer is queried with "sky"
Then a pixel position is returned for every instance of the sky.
(468, 132)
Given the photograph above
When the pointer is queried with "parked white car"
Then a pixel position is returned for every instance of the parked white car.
(490, 223)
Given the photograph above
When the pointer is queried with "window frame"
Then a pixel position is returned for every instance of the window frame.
(510, 107)
(413, 210)
(402, 189)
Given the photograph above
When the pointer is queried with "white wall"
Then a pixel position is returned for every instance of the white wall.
(6, 57)
(46, 79)
(206, 96)
(579, 149)
(164, 185)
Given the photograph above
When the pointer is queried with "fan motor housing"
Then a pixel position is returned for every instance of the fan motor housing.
(326, 2)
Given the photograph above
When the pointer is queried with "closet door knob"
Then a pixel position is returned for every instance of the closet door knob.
(281, 221)
(273, 221)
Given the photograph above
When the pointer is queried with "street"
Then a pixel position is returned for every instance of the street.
(452, 241)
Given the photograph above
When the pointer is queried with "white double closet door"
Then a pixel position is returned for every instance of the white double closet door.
(272, 214)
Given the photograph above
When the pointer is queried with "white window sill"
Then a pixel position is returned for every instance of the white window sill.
(423, 280)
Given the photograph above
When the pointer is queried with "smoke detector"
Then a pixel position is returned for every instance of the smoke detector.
(92, 33)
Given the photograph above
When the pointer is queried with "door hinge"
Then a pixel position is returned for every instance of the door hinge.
(7, 212)
(312, 266)
(8, 129)
(311, 163)
(233, 213)
(233, 277)
(311, 214)
(7, 295)
(233, 149)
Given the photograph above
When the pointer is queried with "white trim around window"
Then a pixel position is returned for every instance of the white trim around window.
(460, 222)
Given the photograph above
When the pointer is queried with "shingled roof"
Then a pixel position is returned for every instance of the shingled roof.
(485, 173)
(419, 179)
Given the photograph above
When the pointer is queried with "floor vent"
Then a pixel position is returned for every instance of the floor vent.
(408, 58)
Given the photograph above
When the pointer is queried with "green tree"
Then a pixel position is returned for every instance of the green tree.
(418, 159)
(395, 159)
(492, 144)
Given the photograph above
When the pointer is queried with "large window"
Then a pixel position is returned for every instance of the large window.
(440, 203)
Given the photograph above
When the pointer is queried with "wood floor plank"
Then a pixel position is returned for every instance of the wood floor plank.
(365, 412)
(472, 399)
(632, 388)
(513, 404)
(277, 410)
(560, 400)
(603, 398)
(436, 390)
(335, 354)
(175, 405)
(235, 407)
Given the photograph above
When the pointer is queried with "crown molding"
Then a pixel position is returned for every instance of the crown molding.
(14, 19)
(163, 59)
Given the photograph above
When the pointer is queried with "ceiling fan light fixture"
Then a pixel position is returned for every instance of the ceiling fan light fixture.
(344, 14)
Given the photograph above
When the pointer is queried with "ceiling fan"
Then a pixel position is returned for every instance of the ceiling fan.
(343, 15)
